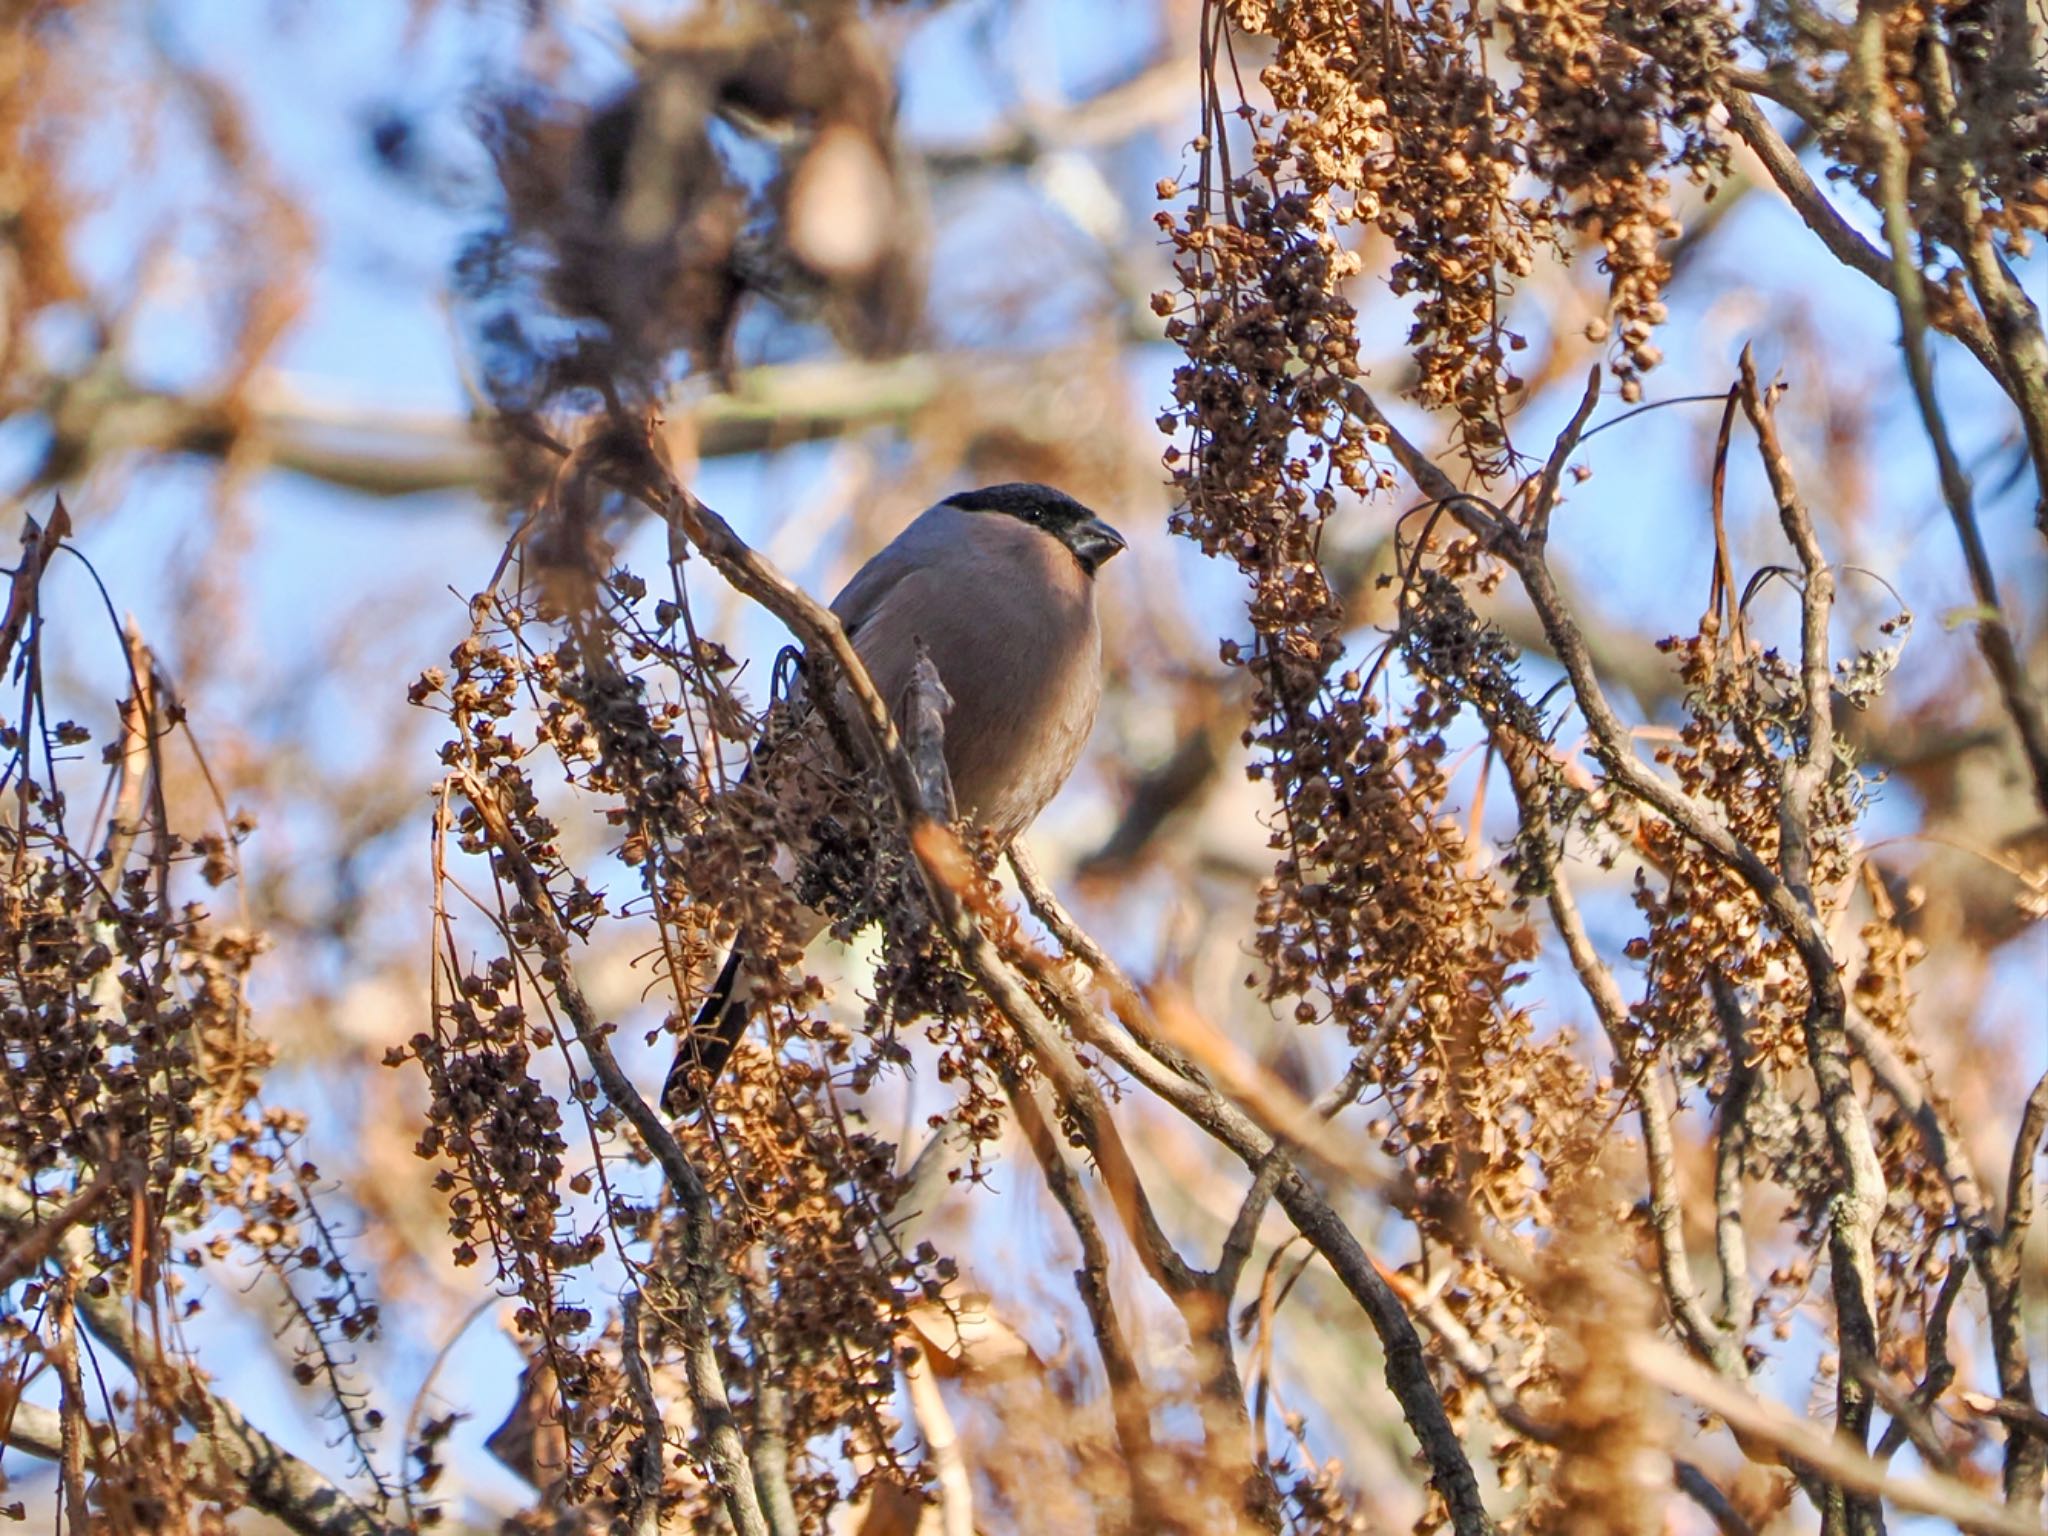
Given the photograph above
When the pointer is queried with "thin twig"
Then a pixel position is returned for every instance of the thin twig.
(2019, 1177)
(1844, 1465)
(2022, 1418)
(1538, 526)
(38, 543)
(276, 1482)
(1141, 1048)
(1129, 1402)
(1910, 1091)
(1908, 1411)
(726, 1450)
(1854, 1211)
(71, 1408)
(26, 1253)
(1472, 1361)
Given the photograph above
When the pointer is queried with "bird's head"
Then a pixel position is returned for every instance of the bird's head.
(1091, 540)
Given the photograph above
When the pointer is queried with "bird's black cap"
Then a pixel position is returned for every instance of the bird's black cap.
(1088, 536)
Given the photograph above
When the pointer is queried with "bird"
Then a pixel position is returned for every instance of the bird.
(997, 586)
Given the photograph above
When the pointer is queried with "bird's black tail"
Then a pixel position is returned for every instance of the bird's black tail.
(702, 1054)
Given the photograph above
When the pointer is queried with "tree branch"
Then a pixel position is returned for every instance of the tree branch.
(1129, 1402)
(1994, 630)
(1667, 1214)
(2013, 320)
(386, 453)
(726, 1448)
(1843, 241)
(1840, 1463)
(1853, 1213)
(278, 1483)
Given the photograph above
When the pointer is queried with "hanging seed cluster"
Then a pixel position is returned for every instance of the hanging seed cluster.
(1726, 998)
(1395, 121)
(1610, 98)
(819, 1280)
(575, 693)
(131, 1127)
(1967, 91)
(1379, 919)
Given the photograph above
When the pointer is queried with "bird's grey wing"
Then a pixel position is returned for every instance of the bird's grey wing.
(856, 604)
(895, 623)
(935, 539)
(873, 582)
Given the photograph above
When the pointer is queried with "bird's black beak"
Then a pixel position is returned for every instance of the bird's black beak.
(1093, 542)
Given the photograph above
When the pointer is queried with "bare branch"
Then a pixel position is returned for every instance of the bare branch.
(1841, 1463)
(727, 1451)
(1843, 241)
(1545, 496)
(2019, 1178)
(1129, 1403)
(278, 1483)
(2011, 316)
(1731, 1241)
(2021, 698)
(652, 1450)
(1855, 1209)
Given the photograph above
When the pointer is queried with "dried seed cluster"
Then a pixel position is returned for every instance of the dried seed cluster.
(577, 682)
(1396, 123)
(132, 1131)
(1379, 918)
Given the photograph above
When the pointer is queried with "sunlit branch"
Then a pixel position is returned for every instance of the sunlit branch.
(278, 1483)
